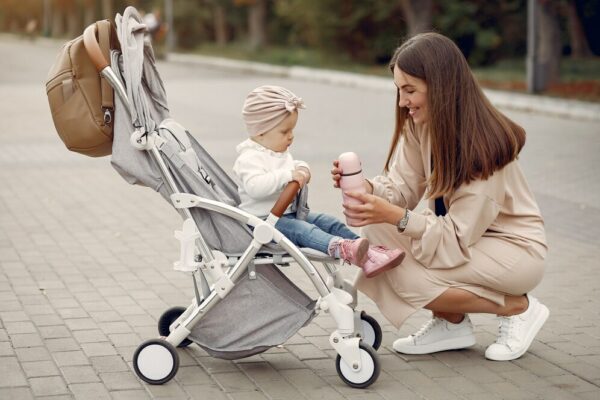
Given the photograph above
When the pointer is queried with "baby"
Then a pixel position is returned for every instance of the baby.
(265, 166)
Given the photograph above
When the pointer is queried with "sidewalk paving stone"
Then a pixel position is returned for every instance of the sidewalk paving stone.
(86, 391)
(209, 391)
(48, 386)
(6, 349)
(120, 380)
(16, 393)
(39, 368)
(61, 344)
(33, 354)
(11, 373)
(53, 331)
(79, 374)
(70, 358)
(130, 395)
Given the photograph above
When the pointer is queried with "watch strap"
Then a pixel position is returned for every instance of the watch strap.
(403, 222)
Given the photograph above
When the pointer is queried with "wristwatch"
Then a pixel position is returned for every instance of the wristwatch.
(403, 222)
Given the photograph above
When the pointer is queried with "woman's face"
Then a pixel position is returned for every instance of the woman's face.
(281, 137)
(413, 95)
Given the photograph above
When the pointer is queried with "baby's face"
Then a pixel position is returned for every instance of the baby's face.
(281, 137)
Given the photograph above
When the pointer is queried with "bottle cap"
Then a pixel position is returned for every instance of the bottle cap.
(350, 164)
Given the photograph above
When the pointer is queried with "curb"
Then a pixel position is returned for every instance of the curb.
(506, 100)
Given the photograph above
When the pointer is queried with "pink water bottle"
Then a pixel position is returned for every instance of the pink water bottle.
(352, 179)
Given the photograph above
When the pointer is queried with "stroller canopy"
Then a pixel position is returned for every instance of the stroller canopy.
(193, 169)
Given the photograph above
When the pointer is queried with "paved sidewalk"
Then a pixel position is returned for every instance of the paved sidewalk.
(85, 258)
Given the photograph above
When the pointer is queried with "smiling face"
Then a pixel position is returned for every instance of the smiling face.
(413, 95)
(281, 137)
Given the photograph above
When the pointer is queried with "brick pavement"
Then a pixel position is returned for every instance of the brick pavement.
(85, 267)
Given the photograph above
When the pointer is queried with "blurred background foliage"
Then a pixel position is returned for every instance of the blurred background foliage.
(357, 35)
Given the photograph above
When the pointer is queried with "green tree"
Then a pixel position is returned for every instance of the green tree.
(359, 29)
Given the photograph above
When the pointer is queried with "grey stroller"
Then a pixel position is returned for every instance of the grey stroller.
(243, 304)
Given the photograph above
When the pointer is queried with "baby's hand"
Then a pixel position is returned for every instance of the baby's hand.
(301, 176)
(305, 171)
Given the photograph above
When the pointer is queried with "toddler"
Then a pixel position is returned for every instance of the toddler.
(265, 166)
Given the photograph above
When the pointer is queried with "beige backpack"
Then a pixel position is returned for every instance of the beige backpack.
(81, 101)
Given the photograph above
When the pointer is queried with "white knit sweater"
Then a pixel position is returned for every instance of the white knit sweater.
(262, 175)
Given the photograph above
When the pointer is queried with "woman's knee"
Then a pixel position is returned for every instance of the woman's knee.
(529, 275)
(385, 235)
(412, 282)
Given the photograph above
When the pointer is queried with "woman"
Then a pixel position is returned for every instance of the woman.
(486, 252)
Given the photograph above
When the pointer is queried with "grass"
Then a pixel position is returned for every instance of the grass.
(288, 56)
(580, 78)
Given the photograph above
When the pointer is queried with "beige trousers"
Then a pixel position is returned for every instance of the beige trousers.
(497, 267)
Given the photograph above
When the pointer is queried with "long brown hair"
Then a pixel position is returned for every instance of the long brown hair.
(470, 138)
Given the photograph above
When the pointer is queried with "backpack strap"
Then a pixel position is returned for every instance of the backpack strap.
(105, 30)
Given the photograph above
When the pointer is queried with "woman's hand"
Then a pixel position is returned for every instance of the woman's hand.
(336, 175)
(374, 210)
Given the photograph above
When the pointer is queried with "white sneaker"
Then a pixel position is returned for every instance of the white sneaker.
(517, 332)
(437, 335)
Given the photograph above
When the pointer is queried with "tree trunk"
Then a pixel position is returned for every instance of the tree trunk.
(8, 17)
(89, 13)
(46, 23)
(257, 24)
(549, 43)
(417, 14)
(107, 9)
(579, 43)
(57, 28)
(74, 28)
(220, 25)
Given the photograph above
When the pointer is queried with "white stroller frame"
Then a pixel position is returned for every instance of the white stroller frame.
(156, 361)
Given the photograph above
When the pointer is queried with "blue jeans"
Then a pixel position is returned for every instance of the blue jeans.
(316, 232)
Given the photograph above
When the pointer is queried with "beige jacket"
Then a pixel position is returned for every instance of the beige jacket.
(502, 206)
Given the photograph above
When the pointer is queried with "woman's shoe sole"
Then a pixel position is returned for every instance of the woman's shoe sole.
(443, 345)
(536, 328)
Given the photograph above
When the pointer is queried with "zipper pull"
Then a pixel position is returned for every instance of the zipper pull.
(107, 116)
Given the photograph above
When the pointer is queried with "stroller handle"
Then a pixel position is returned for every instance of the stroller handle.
(285, 198)
(93, 48)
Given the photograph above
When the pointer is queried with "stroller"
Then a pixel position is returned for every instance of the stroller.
(243, 303)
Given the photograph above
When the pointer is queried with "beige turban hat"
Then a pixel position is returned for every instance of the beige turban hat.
(266, 106)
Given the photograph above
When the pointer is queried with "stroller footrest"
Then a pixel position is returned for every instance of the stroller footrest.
(284, 258)
(316, 255)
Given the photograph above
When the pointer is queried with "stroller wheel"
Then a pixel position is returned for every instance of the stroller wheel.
(165, 321)
(368, 373)
(156, 361)
(371, 329)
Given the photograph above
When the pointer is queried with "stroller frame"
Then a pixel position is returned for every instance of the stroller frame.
(156, 360)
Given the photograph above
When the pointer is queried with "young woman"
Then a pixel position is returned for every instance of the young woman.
(480, 245)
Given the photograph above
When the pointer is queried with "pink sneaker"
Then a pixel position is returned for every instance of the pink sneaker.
(380, 259)
(352, 251)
